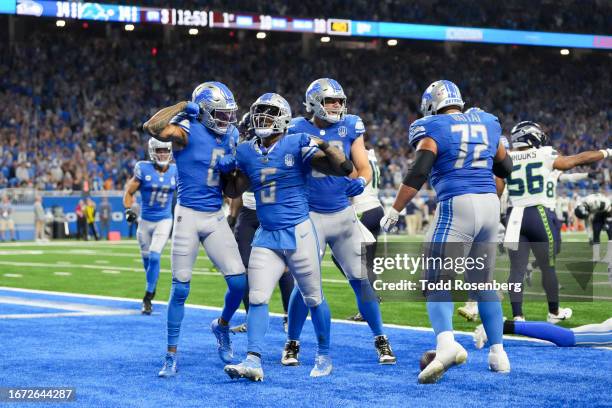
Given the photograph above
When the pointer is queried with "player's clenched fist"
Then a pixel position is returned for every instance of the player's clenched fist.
(389, 220)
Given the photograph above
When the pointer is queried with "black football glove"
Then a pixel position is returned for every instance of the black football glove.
(130, 215)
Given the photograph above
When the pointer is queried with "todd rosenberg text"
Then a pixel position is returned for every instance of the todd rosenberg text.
(423, 284)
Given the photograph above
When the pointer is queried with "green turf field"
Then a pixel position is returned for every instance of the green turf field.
(115, 269)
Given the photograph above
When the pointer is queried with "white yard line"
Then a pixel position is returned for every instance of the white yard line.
(76, 309)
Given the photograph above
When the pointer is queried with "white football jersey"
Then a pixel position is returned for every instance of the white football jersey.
(597, 203)
(532, 182)
(369, 198)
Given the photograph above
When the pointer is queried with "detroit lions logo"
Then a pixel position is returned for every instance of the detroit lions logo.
(289, 161)
(148, 178)
(342, 131)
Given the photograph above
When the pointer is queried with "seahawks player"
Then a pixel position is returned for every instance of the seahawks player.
(460, 153)
(531, 223)
(596, 210)
(202, 132)
(275, 166)
(156, 180)
(330, 209)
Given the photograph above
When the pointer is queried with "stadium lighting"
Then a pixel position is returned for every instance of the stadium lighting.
(129, 27)
(325, 39)
(564, 51)
(193, 31)
(60, 23)
(392, 43)
(261, 35)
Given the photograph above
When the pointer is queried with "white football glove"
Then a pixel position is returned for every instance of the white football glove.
(389, 220)
(606, 152)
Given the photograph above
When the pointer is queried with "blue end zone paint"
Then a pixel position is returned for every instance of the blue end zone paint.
(113, 361)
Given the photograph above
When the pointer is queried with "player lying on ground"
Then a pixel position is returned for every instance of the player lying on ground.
(460, 153)
(156, 181)
(202, 132)
(590, 335)
(331, 212)
(274, 166)
(596, 211)
(531, 221)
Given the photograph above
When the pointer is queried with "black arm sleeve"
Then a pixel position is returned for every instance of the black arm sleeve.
(420, 170)
(503, 168)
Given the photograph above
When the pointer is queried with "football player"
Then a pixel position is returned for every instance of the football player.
(274, 166)
(531, 223)
(330, 210)
(156, 180)
(459, 153)
(202, 132)
(589, 335)
(596, 210)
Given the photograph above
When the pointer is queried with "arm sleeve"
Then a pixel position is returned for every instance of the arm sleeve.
(420, 170)
(503, 168)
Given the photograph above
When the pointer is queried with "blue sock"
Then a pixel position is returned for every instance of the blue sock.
(236, 285)
(145, 262)
(297, 313)
(367, 302)
(561, 336)
(153, 271)
(258, 319)
(490, 310)
(176, 310)
(440, 309)
(321, 320)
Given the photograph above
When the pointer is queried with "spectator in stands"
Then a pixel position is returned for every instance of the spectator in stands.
(106, 211)
(6, 219)
(39, 220)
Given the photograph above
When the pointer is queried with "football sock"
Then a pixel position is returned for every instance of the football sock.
(153, 271)
(561, 336)
(236, 285)
(440, 315)
(176, 310)
(145, 262)
(297, 313)
(321, 320)
(490, 310)
(257, 322)
(367, 302)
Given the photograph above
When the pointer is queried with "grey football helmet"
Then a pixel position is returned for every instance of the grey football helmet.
(438, 95)
(160, 152)
(270, 114)
(316, 94)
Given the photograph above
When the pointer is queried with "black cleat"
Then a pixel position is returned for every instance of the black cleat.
(291, 353)
(356, 318)
(147, 306)
(383, 348)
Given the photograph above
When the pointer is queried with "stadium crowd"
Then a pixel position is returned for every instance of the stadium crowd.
(72, 115)
(585, 16)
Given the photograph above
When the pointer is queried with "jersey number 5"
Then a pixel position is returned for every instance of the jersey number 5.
(474, 138)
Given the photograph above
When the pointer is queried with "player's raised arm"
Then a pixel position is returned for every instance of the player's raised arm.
(329, 160)
(128, 198)
(161, 125)
(161, 119)
(235, 184)
(569, 162)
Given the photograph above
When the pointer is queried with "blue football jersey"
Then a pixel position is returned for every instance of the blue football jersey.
(467, 144)
(327, 193)
(156, 190)
(278, 179)
(199, 184)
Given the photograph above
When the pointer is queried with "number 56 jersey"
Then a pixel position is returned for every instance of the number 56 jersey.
(467, 144)
(156, 190)
(532, 182)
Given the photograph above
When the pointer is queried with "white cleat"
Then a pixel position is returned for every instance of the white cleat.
(498, 361)
(469, 311)
(323, 366)
(445, 359)
(565, 313)
(519, 318)
(480, 337)
(249, 369)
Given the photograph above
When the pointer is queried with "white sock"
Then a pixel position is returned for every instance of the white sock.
(445, 339)
(496, 348)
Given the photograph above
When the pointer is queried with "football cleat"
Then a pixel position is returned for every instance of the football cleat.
(383, 348)
(285, 324)
(498, 361)
(519, 318)
(564, 313)
(224, 344)
(445, 359)
(147, 306)
(357, 317)
(241, 328)
(250, 368)
(480, 337)
(169, 368)
(469, 311)
(322, 367)
(291, 353)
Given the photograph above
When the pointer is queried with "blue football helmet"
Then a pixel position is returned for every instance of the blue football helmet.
(528, 134)
(217, 106)
(438, 95)
(270, 114)
(316, 94)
